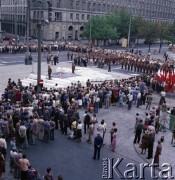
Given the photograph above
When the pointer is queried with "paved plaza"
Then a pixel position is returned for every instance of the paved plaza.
(74, 160)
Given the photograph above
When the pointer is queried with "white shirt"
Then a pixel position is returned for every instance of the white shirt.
(79, 126)
(139, 95)
(130, 97)
(162, 93)
(3, 143)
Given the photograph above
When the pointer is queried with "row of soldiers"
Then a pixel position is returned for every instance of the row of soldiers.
(140, 66)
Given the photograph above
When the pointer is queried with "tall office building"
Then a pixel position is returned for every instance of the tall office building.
(64, 19)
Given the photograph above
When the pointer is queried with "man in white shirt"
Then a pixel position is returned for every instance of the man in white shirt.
(130, 98)
(138, 99)
(3, 146)
(23, 136)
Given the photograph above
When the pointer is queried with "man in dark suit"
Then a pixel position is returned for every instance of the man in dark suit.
(98, 142)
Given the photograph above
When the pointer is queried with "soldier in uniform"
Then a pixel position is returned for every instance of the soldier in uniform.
(126, 63)
(49, 72)
(73, 67)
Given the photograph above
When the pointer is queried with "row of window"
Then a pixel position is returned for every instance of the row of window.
(12, 2)
(111, 6)
(13, 9)
(10, 17)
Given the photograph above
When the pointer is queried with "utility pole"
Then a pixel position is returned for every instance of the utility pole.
(28, 25)
(28, 57)
(90, 32)
(129, 32)
(16, 26)
(39, 50)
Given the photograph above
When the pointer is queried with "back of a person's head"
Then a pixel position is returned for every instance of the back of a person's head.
(49, 170)
(24, 156)
(60, 177)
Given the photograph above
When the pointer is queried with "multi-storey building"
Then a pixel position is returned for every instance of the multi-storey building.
(65, 18)
(0, 18)
(13, 16)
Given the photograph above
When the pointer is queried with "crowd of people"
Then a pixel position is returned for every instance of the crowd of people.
(26, 115)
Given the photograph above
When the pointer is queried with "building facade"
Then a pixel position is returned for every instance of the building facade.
(13, 16)
(64, 19)
(0, 18)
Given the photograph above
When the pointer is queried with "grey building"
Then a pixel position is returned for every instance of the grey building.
(65, 18)
(13, 16)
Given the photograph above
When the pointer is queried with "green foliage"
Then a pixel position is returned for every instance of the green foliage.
(116, 25)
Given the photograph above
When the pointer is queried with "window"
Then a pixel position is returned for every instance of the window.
(58, 16)
(77, 5)
(83, 5)
(89, 6)
(82, 17)
(56, 35)
(77, 16)
(58, 3)
(99, 7)
(71, 15)
(88, 17)
(72, 4)
(34, 14)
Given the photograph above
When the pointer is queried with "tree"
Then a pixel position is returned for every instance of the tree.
(101, 29)
(149, 32)
(170, 33)
(161, 33)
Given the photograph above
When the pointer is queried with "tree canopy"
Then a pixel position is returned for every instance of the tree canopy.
(116, 25)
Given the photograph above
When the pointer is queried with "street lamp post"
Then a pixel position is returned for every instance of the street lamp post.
(28, 25)
(90, 32)
(39, 51)
(16, 26)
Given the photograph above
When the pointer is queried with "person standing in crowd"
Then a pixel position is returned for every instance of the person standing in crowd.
(87, 120)
(98, 142)
(94, 121)
(151, 140)
(52, 129)
(90, 132)
(139, 128)
(3, 146)
(17, 157)
(23, 136)
(48, 175)
(46, 131)
(130, 98)
(173, 138)
(112, 130)
(114, 140)
(49, 72)
(60, 177)
(149, 99)
(102, 129)
(24, 164)
(138, 99)
(157, 153)
(79, 131)
(144, 142)
(2, 164)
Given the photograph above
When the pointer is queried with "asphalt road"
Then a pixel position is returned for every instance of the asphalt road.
(13, 59)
